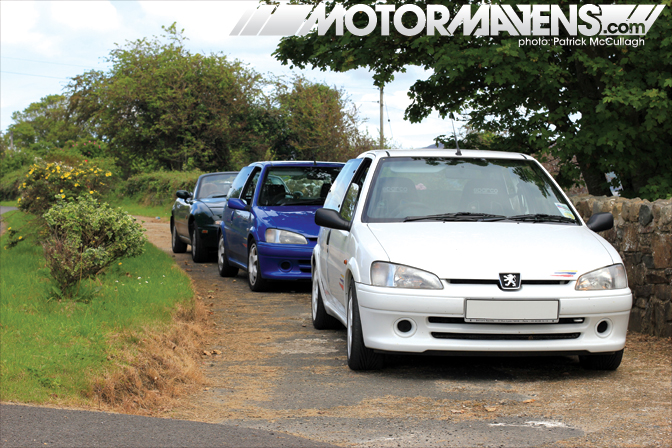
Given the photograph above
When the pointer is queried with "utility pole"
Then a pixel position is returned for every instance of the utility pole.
(382, 139)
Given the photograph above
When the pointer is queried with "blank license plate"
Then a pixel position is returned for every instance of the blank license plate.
(512, 311)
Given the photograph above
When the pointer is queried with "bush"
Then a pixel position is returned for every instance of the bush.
(47, 183)
(159, 187)
(87, 236)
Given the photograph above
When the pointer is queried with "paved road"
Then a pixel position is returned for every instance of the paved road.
(4, 209)
(29, 426)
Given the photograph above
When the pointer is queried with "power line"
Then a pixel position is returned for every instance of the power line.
(45, 62)
(28, 74)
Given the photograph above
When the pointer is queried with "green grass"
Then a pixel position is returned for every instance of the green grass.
(8, 203)
(132, 206)
(53, 350)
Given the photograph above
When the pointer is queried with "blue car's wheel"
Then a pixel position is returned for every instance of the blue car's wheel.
(254, 278)
(225, 270)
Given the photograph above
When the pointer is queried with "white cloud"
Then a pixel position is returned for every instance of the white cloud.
(205, 21)
(98, 16)
(17, 22)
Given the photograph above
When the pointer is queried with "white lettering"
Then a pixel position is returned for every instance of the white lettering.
(350, 15)
(413, 9)
(434, 23)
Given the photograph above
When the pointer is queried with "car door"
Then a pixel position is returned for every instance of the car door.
(241, 221)
(181, 215)
(336, 244)
(229, 215)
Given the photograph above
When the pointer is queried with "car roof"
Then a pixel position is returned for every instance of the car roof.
(466, 153)
(296, 163)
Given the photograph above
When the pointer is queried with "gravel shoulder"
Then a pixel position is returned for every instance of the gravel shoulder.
(276, 372)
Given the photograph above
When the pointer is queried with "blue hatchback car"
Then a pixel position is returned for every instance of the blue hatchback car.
(268, 223)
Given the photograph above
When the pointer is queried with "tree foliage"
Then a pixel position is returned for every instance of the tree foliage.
(319, 121)
(607, 107)
(45, 125)
(162, 107)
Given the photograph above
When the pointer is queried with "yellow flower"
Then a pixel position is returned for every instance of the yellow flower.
(108, 174)
(61, 190)
(9, 228)
(119, 263)
(62, 196)
(20, 237)
(76, 185)
(38, 197)
(91, 192)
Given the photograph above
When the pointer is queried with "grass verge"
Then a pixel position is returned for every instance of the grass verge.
(132, 346)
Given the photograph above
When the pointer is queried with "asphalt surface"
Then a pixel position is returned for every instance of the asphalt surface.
(29, 426)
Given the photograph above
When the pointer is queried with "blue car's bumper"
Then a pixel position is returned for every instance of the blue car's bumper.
(285, 261)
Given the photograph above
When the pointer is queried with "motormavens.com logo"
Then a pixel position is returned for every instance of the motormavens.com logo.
(599, 22)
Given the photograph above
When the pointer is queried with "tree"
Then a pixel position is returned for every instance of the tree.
(606, 106)
(45, 124)
(160, 106)
(320, 123)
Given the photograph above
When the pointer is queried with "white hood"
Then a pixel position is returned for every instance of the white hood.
(483, 250)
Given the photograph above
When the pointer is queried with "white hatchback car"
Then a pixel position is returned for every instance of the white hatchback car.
(442, 251)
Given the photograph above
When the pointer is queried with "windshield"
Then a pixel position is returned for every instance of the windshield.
(432, 188)
(297, 185)
(216, 185)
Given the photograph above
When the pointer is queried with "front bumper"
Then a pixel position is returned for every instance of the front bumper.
(285, 261)
(436, 323)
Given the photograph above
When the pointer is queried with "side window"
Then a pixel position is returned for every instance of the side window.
(338, 190)
(248, 192)
(352, 196)
(239, 183)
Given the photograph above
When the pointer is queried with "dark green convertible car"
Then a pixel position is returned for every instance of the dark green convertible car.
(196, 216)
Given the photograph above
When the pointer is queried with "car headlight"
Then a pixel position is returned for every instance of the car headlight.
(218, 222)
(399, 276)
(611, 277)
(284, 237)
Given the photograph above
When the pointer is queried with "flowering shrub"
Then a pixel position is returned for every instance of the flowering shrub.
(86, 236)
(47, 183)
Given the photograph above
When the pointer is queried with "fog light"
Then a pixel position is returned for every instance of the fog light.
(603, 328)
(404, 327)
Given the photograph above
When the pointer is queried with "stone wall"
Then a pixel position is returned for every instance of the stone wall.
(642, 234)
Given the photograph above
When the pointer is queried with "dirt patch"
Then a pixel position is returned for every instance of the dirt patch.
(276, 372)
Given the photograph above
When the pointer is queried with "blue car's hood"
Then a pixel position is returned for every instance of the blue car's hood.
(299, 219)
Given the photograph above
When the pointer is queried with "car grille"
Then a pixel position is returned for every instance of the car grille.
(505, 337)
(460, 320)
(467, 281)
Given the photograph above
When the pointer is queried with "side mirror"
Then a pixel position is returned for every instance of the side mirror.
(183, 194)
(329, 218)
(237, 204)
(600, 222)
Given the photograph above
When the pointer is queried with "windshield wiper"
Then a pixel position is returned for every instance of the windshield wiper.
(459, 216)
(219, 196)
(542, 217)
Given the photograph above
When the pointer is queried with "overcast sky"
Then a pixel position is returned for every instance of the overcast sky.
(43, 44)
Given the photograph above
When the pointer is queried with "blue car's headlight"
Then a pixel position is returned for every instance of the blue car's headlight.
(611, 277)
(284, 237)
(400, 276)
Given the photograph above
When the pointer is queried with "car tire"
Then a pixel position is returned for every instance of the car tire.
(321, 320)
(225, 270)
(601, 362)
(198, 252)
(254, 278)
(359, 356)
(179, 246)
